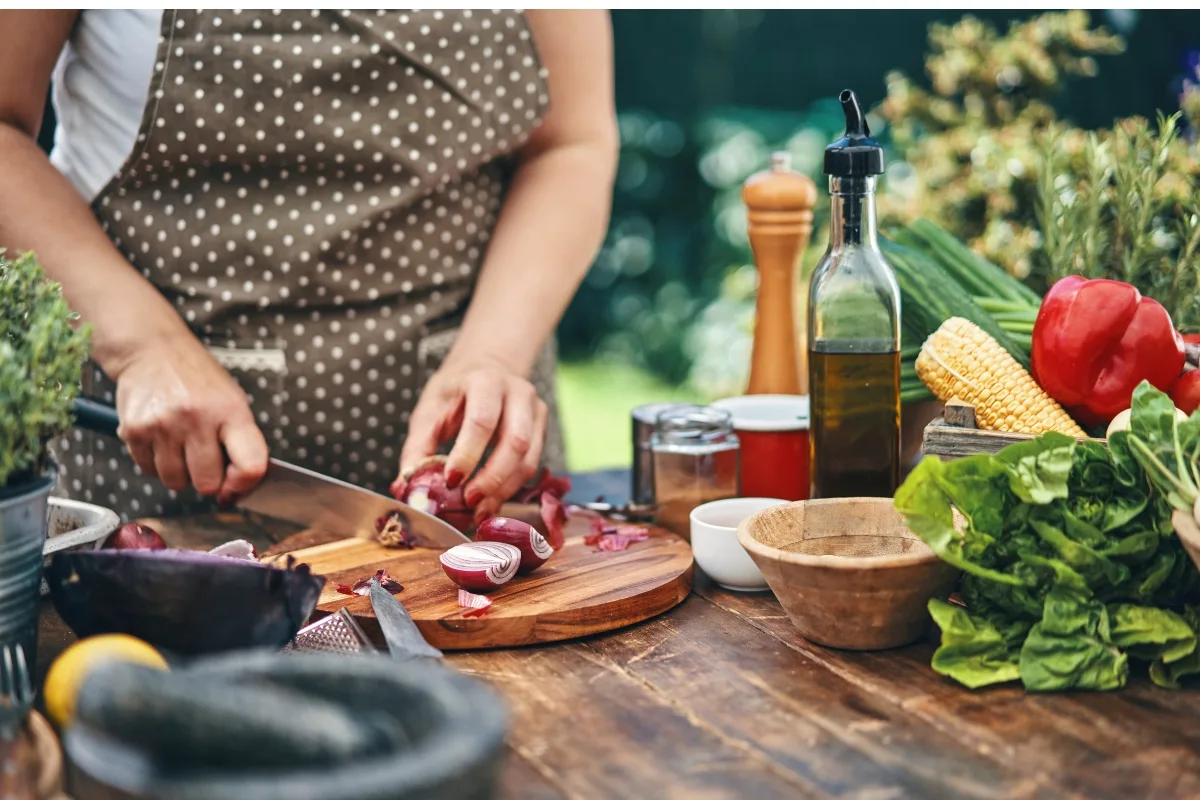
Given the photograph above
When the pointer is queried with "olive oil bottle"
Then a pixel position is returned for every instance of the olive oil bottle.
(854, 331)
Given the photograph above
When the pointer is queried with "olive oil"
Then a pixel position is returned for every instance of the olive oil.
(855, 428)
(854, 331)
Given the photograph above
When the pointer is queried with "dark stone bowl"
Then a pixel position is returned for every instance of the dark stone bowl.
(455, 724)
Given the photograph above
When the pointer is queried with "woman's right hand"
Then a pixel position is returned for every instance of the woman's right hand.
(185, 420)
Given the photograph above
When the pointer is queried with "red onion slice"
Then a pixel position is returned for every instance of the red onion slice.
(477, 604)
(481, 566)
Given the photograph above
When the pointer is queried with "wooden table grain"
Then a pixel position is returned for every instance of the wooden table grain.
(720, 698)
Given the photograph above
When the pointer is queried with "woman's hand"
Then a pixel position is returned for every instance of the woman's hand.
(186, 421)
(482, 402)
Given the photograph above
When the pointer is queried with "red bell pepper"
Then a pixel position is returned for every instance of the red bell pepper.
(1186, 392)
(1094, 341)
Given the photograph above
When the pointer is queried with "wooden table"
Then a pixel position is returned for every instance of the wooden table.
(720, 698)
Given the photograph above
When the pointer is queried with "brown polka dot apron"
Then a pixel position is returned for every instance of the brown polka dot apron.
(315, 192)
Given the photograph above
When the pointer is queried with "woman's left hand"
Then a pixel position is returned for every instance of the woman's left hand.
(482, 403)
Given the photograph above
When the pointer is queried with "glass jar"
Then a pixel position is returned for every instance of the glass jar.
(697, 459)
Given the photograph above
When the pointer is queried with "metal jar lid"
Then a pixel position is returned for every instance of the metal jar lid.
(693, 425)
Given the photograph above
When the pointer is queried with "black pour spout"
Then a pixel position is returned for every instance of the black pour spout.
(856, 154)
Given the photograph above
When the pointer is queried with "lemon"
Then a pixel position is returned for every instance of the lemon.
(73, 665)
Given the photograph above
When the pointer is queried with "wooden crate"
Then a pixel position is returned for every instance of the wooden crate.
(954, 434)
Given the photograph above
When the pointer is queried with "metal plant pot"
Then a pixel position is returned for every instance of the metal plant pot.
(22, 538)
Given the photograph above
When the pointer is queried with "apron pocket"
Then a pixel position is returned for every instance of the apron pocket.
(262, 373)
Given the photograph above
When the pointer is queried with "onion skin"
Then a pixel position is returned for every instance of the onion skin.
(180, 601)
(133, 536)
(535, 550)
(481, 566)
(424, 487)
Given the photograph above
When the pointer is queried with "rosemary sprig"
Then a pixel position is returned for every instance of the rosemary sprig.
(1127, 212)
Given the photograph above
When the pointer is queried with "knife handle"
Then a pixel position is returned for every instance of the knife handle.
(96, 417)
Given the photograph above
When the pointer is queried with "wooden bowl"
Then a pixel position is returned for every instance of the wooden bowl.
(848, 572)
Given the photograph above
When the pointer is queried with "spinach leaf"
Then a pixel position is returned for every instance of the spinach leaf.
(978, 488)
(1040, 467)
(1072, 648)
(1151, 634)
(973, 652)
(1096, 569)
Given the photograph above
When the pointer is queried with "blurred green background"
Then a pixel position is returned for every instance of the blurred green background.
(704, 97)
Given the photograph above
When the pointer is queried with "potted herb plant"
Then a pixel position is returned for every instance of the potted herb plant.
(42, 349)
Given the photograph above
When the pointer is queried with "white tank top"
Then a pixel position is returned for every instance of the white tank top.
(100, 87)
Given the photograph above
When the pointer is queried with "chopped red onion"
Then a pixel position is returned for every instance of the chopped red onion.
(477, 604)
(611, 538)
(362, 586)
(238, 548)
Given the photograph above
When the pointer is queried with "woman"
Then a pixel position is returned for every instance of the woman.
(310, 233)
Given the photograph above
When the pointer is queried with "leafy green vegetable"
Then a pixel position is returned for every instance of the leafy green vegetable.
(1071, 563)
(1072, 647)
(973, 651)
(1151, 634)
(41, 358)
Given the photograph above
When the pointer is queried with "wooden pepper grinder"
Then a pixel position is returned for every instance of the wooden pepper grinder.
(779, 204)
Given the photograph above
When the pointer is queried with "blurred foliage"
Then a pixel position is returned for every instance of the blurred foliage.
(971, 140)
(42, 350)
(1129, 212)
(672, 292)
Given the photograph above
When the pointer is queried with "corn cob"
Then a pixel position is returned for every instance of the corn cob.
(961, 361)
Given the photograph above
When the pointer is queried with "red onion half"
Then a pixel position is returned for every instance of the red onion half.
(533, 546)
(481, 566)
(133, 536)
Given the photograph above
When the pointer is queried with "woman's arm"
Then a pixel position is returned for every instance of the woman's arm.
(177, 405)
(549, 230)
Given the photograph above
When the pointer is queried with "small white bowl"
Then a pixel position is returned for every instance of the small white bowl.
(715, 543)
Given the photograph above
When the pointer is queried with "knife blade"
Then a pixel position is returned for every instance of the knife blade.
(404, 639)
(308, 498)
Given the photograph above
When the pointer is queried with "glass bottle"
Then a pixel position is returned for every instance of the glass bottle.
(854, 331)
(697, 459)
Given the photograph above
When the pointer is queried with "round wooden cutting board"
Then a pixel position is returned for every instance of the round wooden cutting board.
(579, 591)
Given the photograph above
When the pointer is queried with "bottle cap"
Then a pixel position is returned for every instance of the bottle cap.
(856, 154)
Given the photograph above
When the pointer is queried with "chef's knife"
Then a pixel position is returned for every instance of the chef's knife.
(404, 639)
(317, 501)
(295, 494)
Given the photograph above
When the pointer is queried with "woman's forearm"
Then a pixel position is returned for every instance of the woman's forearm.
(552, 224)
(42, 212)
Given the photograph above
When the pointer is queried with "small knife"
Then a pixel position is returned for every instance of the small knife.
(404, 639)
(308, 498)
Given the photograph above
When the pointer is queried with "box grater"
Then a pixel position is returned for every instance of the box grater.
(335, 633)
